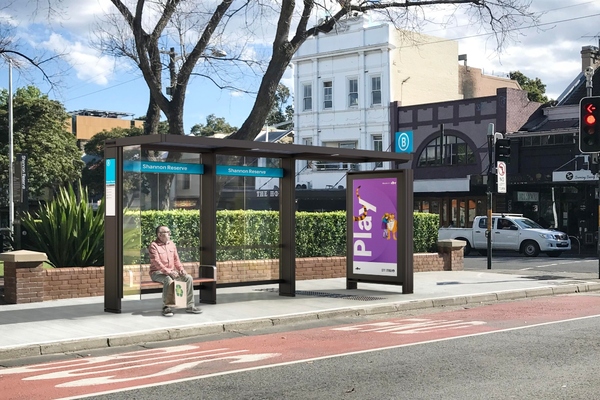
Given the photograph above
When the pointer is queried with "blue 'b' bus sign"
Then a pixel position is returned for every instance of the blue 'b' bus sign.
(404, 142)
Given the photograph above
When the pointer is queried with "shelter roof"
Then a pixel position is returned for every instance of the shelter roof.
(199, 144)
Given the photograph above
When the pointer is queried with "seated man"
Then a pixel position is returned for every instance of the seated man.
(165, 267)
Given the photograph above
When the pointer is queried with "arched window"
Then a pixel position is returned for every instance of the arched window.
(456, 152)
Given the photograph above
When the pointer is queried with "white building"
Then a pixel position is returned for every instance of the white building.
(345, 80)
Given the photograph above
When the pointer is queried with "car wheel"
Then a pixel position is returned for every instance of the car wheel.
(483, 252)
(530, 248)
(554, 253)
(467, 249)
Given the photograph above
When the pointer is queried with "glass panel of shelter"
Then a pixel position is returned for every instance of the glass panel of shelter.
(167, 192)
(248, 222)
(132, 220)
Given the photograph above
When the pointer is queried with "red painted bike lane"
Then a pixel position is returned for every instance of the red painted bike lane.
(93, 375)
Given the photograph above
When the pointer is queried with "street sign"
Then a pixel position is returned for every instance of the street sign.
(404, 142)
(501, 168)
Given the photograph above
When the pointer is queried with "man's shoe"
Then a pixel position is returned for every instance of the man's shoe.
(193, 310)
(167, 312)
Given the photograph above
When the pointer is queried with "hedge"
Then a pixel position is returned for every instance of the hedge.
(252, 235)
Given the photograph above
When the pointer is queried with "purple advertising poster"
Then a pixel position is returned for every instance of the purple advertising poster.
(374, 227)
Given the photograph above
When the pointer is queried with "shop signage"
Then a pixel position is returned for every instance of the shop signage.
(532, 197)
(573, 176)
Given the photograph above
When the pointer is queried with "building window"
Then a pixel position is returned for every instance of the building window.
(375, 90)
(548, 140)
(335, 166)
(306, 97)
(353, 93)
(187, 179)
(378, 146)
(327, 95)
(454, 152)
(308, 142)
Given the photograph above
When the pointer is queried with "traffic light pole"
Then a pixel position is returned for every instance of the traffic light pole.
(490, 188)
(598, 232)
(583, 120)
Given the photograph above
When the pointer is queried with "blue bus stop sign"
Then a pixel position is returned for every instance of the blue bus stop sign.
(404, 142)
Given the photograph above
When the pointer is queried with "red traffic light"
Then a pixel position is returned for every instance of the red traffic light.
(590, 119)
(589, 124)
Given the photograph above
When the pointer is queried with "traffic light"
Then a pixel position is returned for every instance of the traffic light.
(589, 125)
(502, 150)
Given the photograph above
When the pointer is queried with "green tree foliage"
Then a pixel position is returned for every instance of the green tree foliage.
(535, 88)
(39, 130)
(162, 127)
(92, 176)
(213, 126)
(95, 146)
(281, 110)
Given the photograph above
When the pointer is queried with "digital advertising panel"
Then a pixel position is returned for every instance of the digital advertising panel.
(375, 227)
(380, 228)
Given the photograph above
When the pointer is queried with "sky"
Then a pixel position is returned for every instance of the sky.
(92, 80)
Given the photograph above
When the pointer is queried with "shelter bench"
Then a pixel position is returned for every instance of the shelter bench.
(206, 284)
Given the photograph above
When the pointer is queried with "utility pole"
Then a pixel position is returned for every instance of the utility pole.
(172, 74)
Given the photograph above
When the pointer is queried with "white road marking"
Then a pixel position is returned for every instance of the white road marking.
(555, 264)
(105, 380)
(411, 326)
(324, 358)
(105, 365)
(126, 357)
(100, 369)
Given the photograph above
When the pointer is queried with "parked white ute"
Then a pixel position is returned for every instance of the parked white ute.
(510, 232)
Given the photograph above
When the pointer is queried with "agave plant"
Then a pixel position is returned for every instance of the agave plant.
(68, 230)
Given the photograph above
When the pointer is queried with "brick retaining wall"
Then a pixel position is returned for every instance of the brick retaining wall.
(26, 285)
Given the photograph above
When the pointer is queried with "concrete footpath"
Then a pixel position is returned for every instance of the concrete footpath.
(81, 324)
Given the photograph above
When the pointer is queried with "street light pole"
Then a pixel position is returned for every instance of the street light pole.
(172, 74)
(11, 179)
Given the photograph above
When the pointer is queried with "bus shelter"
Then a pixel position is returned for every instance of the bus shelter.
(145, 174)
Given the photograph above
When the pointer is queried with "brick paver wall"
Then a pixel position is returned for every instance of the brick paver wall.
(36, 284)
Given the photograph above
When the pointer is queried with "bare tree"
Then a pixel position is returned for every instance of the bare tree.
(193, 33)
(151, 23)
(11, 48)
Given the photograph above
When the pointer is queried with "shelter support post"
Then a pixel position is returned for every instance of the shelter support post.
(287, 229)
(208, 211)
(113, 236)
(405, 205)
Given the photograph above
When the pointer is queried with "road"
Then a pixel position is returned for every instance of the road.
(530, 349)
(584, 267)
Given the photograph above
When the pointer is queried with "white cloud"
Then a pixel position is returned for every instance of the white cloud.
(73, 15)
(551, 54)
(88, 64)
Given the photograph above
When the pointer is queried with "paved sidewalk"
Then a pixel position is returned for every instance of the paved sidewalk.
(80, 324)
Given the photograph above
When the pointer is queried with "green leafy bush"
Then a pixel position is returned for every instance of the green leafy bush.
(425, 232)
(253, 235)
(68, 230)
(72, 234)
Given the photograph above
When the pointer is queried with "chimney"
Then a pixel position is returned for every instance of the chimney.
(590, 56)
